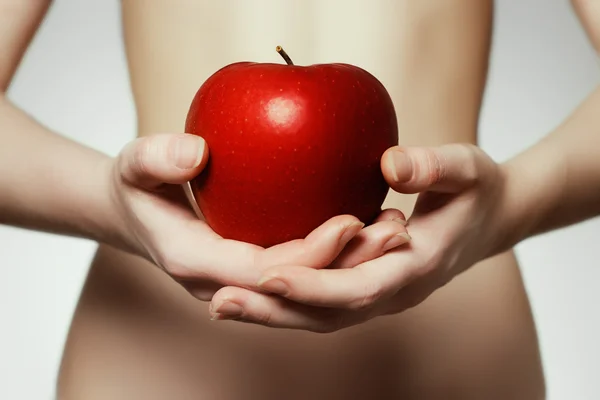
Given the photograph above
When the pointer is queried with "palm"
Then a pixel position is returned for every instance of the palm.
(158, 213)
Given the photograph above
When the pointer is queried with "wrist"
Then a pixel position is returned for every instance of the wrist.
(511, 219)
(54, 184)
(109, 223)
(531, 193)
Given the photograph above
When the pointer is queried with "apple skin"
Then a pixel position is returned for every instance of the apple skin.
(290, 147)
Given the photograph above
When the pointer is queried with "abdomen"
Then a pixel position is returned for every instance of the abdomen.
(137, 334)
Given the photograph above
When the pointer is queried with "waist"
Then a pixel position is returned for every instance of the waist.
(136, 331)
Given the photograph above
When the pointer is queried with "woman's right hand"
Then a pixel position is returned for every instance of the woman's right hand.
(146, 181)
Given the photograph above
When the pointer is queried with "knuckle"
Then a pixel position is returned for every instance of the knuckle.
(142, 155)
(436, 167)
(159, 257)
(126, 161)
(371, 293)
(264, 318)
(470, 156)
(176, 267)
(257, 259)
(426, 265)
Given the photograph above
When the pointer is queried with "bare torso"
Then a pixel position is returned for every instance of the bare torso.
(137, 335)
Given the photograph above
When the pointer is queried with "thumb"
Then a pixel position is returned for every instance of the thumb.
(447, 168)
(173, 158)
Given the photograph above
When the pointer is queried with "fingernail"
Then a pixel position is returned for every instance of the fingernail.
(351, 231)
(222, 317)
(401, 221)
(230, 308)
(396, 240)
(189, 150)
(225, 310)
(401, 166)
(273, 285)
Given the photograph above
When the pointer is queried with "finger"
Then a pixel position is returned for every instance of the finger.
(372, 242)
(244, 264)
(447, 168)
(391, 214)
(201, 254)
(276, 312)
(318, 250)
(351, 288)
(323, 245)
(151, 161)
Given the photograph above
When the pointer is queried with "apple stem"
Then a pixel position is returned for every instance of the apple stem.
(285, 56)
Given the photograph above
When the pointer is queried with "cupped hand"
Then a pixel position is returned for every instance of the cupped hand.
(452, 227)
(148, 180)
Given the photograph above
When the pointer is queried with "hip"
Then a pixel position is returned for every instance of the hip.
(137, 334)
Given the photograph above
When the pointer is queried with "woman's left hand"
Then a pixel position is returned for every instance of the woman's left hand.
(457, 222)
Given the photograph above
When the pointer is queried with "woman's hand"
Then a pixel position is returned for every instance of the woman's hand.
(455, 224)
(160, 225)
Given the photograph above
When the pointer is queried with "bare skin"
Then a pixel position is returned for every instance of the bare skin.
(137, 334)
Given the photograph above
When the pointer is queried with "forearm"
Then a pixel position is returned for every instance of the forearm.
(556, 183)
(50, 183)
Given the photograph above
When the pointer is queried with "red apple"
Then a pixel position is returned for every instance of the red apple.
(290, 147)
